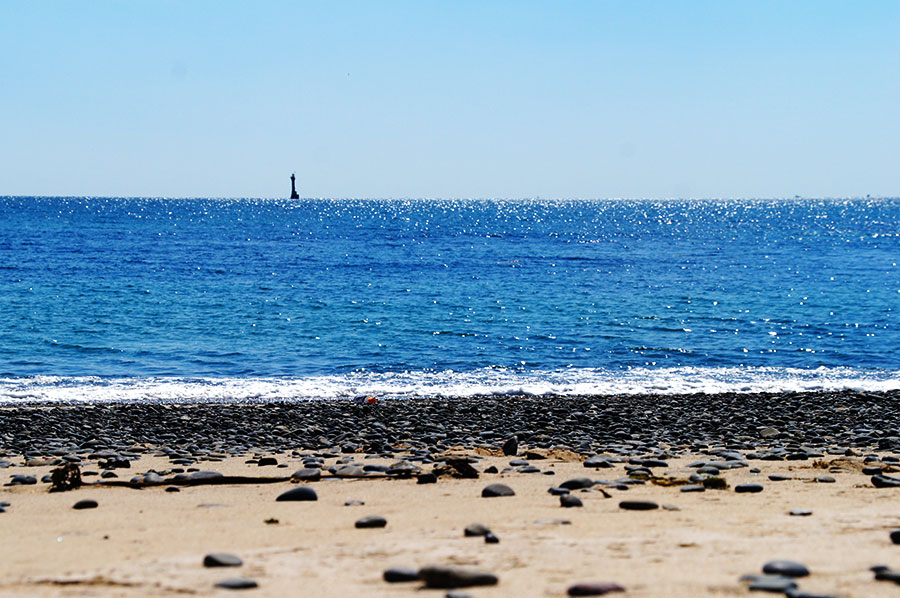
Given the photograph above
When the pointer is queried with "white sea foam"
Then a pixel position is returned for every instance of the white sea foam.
(424, 384)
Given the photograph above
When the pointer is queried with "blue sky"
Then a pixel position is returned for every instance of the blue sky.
(450, 99)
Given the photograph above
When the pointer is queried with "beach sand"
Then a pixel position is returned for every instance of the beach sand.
(149, 542)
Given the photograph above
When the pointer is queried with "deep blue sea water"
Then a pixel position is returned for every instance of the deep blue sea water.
(217, 299)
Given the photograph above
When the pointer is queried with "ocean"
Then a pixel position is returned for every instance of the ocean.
(112, 299)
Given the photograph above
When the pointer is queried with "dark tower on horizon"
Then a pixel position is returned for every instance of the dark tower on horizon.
(293, 189)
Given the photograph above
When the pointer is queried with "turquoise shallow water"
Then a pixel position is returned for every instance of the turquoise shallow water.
(211, 299)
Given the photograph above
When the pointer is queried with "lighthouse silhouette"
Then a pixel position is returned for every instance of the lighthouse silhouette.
(293, 189)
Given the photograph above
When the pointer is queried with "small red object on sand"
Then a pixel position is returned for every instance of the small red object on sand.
(371, 400)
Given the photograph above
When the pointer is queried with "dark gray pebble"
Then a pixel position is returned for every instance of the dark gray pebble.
(426, 478)
(557, 491)
(748, 488)
(895, 536)
(400, 574)
(693, 488)
(300, 493)
(370, 521)
(490, 538)
(569, 500)
(598, 463)
(593, 589)
(446, 576)
(22, 480)
(800, 513)
(354, 503)
(795, 593)
(307, 474)
(87, 503)
(577, 483)
(638, 505)
(885, 481)
(785, 568)
(237, 583)
(770, 583)
(476, 529)
(221, 559)
(495, 490)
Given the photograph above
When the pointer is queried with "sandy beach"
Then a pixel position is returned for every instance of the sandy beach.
(152, 541)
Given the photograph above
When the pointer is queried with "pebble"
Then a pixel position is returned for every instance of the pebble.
(475, 530)
(569, 500)
(598, 463)
(895, 536)
(577, 483)
(748, 488)
(885, 481)
(221, 559)
(795, 593)
(457, 594)
(825, 479)
(490, 538)
(307, 474)
(770, 583)
(87, 503)
(693, 488)
(495, 490)
(354, 503)
(400, 574)
(785, 568)
(800, 513)
(370, 521)
(557, 491)
(448, 576)
(426, 478)
(173, 489)
(593, 589)
(237, 583)
(22, 480)
(638, 505)
(300, 493)
(511, 447)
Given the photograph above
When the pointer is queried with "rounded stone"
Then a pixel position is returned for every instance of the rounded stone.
(307, 474)
(475, 530)
(300, 493)
(748, 488)
(569, 500)
(785, 568)
(447, 576)
(370, 521)
(237, 583)
(87, 503)
(222, 559)
(593, 589)
(400, 574)
(495, 490)
(577, 483)
(638, 505)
